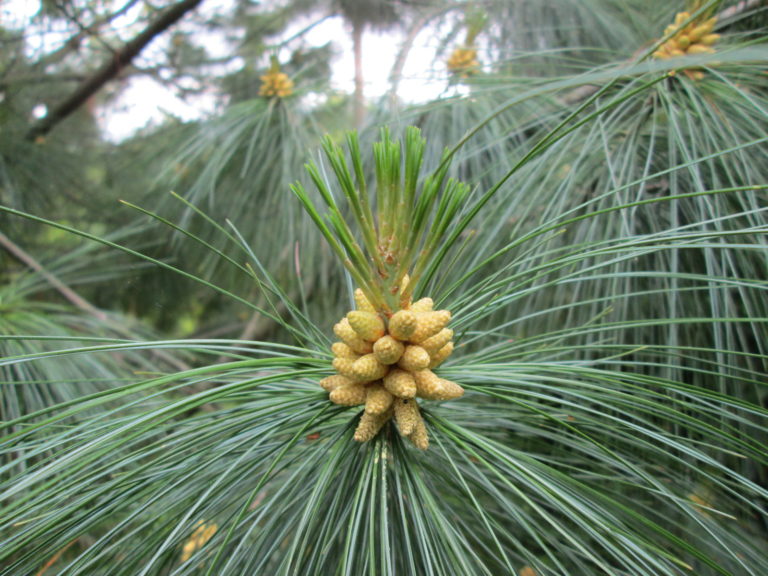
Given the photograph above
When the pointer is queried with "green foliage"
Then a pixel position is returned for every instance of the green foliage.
(408, 226)
(33, 325)
(237, 168)
(605, 263)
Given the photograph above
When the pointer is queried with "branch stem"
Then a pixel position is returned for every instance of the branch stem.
(110, 69)
(70, 295)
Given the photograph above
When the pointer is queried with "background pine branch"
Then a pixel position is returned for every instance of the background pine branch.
(606, 279)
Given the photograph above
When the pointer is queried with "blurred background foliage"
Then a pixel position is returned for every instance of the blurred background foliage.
(608, 285)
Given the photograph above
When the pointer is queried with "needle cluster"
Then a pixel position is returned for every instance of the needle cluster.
(389, 345)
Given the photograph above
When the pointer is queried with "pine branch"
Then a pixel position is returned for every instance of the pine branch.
(71, 45)
(70, 295)
(73, 297)
(583, 92)
(110, 69)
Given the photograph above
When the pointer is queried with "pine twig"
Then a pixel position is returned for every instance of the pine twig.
(53, 559)
(70, 295)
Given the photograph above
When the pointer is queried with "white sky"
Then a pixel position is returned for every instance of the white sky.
(144, 102)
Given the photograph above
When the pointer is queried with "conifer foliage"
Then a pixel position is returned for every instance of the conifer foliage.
(536, 349)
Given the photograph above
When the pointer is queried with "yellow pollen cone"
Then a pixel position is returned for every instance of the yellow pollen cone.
(700, 49)
(419, 436)
(427, 382)
(402, 324)
(436, 342)
(275, 83)
(344, 367)
(441, 355)
(449, 390)
(383, 362)
(368, 325)
(370, 424)
(332, 382)
(681, 17)
(429, 323)
(414, 358)
(407, 415)
(352, 395)
(344, 330)
(400, 383)
(698, 32)
(378, 400)
(362, 302)
(388, 350)
(463, 60)
(342, 350)
(692, 39)
(422, 305)
(367, 368)
(198, 539)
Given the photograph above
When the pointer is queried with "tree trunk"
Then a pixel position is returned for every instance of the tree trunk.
(357, 46)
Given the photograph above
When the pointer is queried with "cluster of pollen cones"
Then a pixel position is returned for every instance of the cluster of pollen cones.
(198, 539)
(696, 37)
(275, 83)
(387, 364)
(463, 61)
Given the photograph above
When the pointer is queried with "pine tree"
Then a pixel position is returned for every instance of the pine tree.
(539, 349)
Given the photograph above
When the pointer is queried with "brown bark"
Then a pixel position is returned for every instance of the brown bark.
(110, 69)
(739, 8)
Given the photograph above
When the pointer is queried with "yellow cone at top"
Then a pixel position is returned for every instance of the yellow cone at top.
(695, 37)
(275, 84)
(463, 61)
